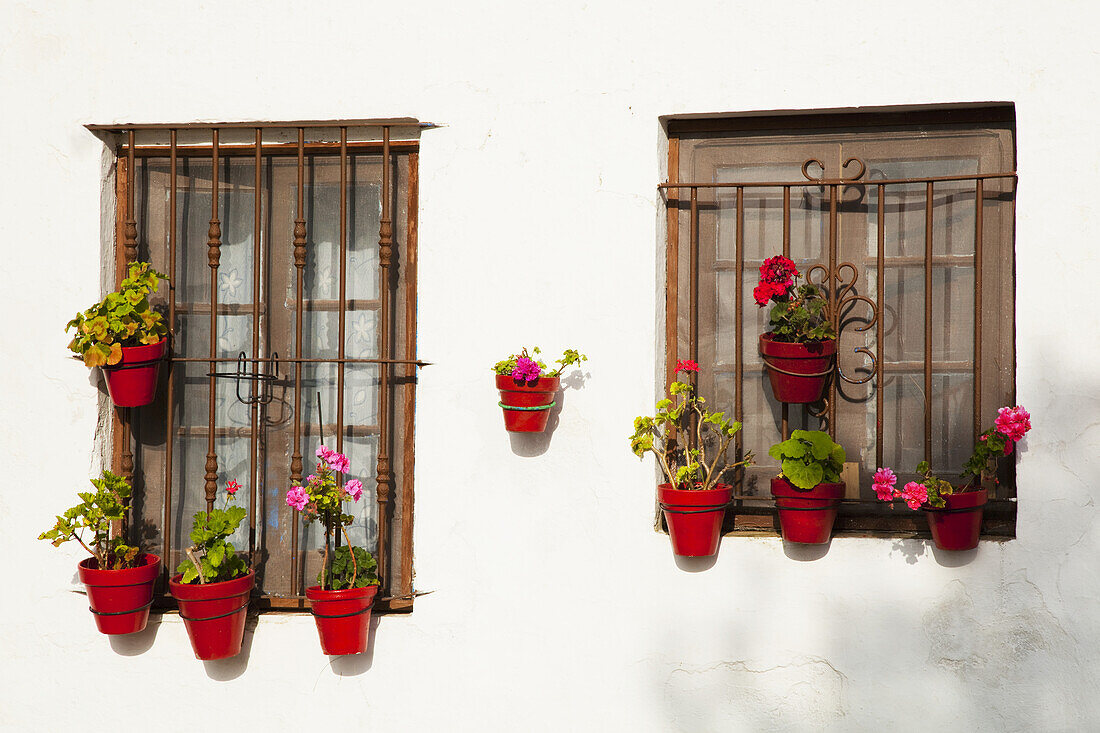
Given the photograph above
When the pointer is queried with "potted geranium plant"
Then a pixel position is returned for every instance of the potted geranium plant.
(347, 582)
(690, 443)
(527, 389)
(799, 349)
(124, 336)
(808, 489)
(955, 512)
(119, 577)
(213, 584)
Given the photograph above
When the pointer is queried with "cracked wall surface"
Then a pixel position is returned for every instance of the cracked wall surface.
(554, 606)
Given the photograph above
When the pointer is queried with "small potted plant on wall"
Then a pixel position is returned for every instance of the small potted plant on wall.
(799, 349)
(955, 512)
(347, 582)
(125, 337)
(213, 584)
(690, 444)
(808, 490)
(527, 390)
(119, 577)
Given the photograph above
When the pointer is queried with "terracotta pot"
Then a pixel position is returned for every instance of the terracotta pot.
(694, 518)
(120, 599)
(342, 617)
(133, 381)
(806, 516)
(809, 366)
(957, 526)
(527, 404)
(214, 614)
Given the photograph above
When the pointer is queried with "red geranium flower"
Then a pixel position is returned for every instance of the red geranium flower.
(778, 269)
(686, 365)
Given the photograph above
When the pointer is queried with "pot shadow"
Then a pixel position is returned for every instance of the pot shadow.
(225, 670)
(695, 564)
(805, 553)
(136, 644)
(953, 558)
(530, 445)
(350, 665)
(911, 551)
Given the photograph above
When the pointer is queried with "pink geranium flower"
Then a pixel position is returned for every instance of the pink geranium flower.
(232, 487)
(914, 494)
(883, 483)
(1013, 422)
(297, 498)
(354, 488)
(338, 462)
(526, 369)
(324, 453)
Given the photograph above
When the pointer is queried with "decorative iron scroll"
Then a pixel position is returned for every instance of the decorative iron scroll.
(833, 279)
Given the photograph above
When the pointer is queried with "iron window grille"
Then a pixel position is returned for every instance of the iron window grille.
(291, 252)
(905, 218)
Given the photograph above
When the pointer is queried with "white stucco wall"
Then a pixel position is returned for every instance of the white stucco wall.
(554, 606)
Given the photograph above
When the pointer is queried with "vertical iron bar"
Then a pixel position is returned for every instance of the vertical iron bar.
(928, 322)
(693, 274)
(214, 258)
(384, 470)
(693, 297)
(879, 330)
(255, 386)
(343, 286)
(130, 239)
(738, 340)
(672, 263)
(978, 235)
(169, 433)
(129, 246)
(299, 270)
(834, 315)
(785, 408)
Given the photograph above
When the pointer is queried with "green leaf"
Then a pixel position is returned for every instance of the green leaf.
(803, 476)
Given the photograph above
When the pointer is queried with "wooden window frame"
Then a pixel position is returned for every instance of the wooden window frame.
(399, 371)
(756, 515)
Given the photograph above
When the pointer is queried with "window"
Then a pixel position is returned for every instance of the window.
(291, 254)
(920, 277)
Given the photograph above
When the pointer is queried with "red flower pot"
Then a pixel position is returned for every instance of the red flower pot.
(214, 614)
(694, 518)
(342, 617)
(120, 599)
(957, 526)
(527, 404)
(797, 372)
(133, 381)
(806, 516)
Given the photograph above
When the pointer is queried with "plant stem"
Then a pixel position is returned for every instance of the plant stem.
(721, 452)
(324, 562)
(191, 557)
(92, 552)
(351, 551)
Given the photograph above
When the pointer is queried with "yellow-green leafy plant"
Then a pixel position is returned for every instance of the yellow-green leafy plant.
(524, 367)
(123, 318)
(689, 441)
(96, 512)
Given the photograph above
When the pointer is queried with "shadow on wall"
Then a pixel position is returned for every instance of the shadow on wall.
(530, 445)
(132, 645)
